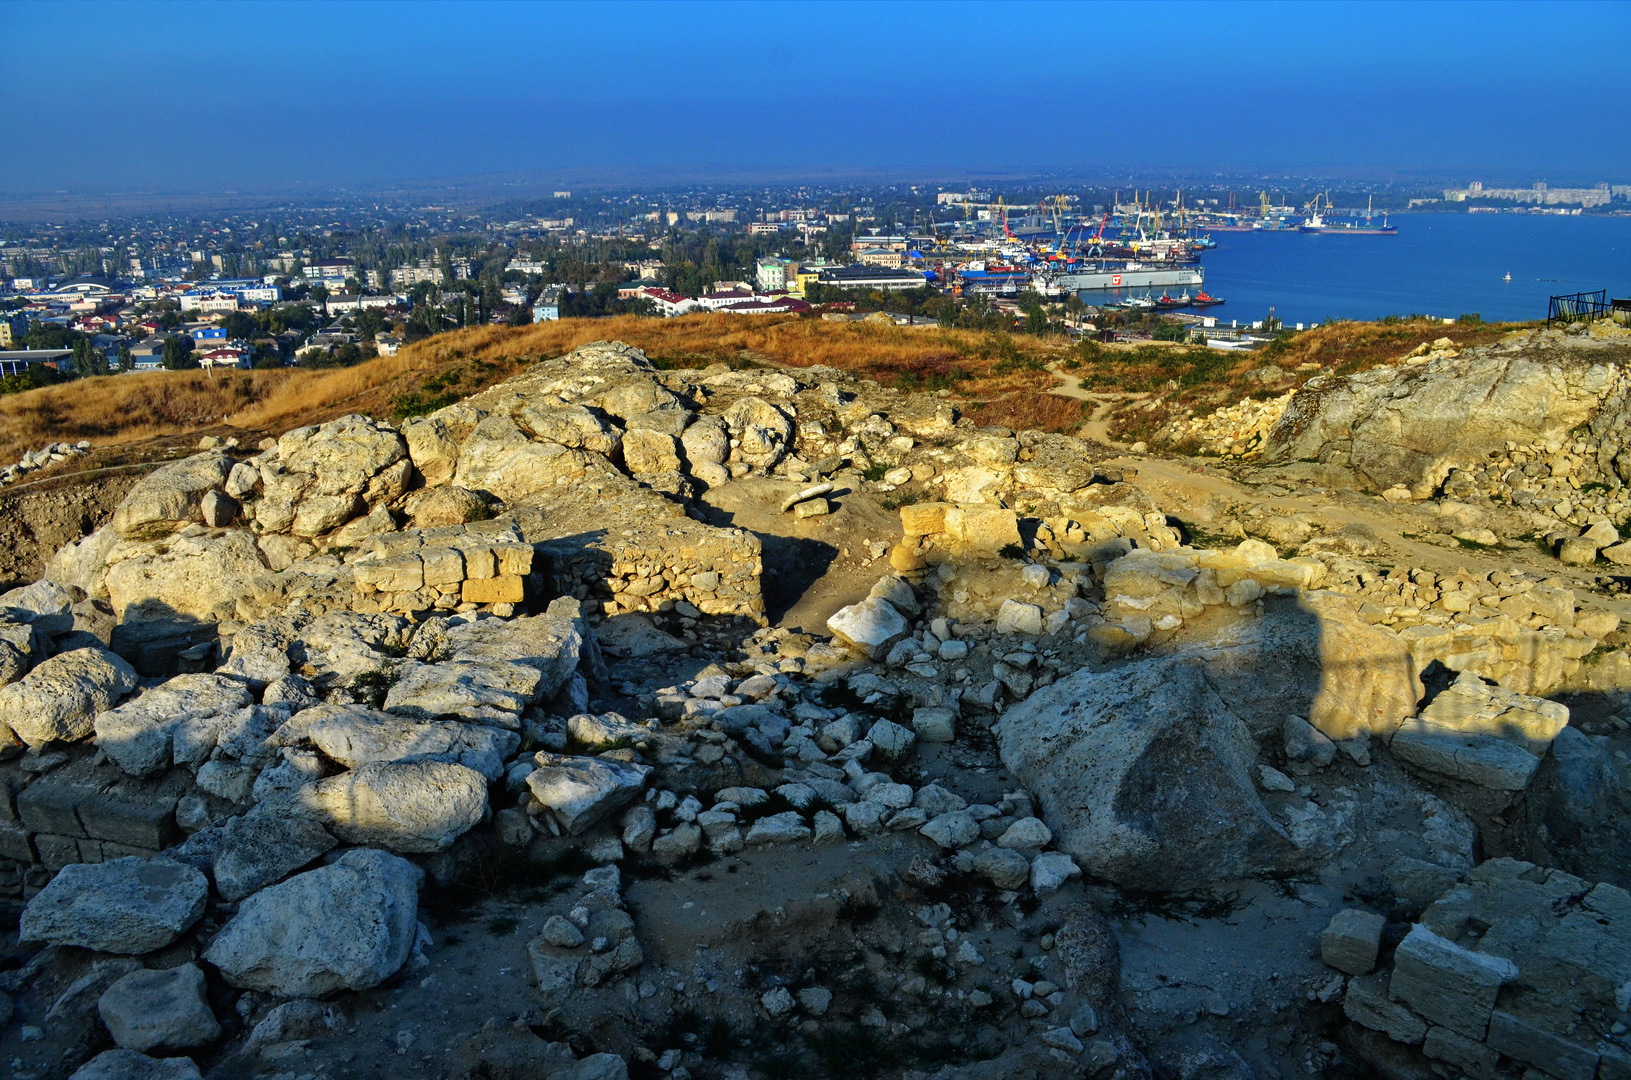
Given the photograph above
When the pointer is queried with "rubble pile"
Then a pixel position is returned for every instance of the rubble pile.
(35, 460)
(472, 745)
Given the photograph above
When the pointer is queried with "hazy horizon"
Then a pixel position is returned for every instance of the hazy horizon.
(257, 96)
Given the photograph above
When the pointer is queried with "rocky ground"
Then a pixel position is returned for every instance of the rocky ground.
(715, 724)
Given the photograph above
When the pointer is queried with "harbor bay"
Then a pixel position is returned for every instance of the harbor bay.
(1438, 264)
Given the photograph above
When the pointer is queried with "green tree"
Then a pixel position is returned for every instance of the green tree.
(178, 353)
(126, 360)
(88, 359)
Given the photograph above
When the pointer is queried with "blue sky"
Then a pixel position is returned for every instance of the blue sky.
(196, 96)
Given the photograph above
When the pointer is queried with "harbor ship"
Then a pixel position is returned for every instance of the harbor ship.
(1130, 275)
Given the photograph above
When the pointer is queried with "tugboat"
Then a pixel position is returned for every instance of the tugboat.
(1202, 299)
(1165, 302)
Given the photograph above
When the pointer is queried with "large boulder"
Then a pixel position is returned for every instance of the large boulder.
(137, 735)
(192, 576)
(60, 699)
(1411, 424)
(1144, 775)
(129, 906)
(407, 806)
(170, 496)
(346, 926)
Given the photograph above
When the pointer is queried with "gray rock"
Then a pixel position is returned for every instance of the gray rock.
(346, 926)
(1028, 834)
(956, 829)
(1410, 424)
(256, 850)
(129, 1065)
(1143, 773)
(130, 905)
(1448, 984)
(60, 699)
(891, 739)
(579, 792)
(934, 725)
(1484, 760)
(1351, 941)
(1003, 868)
(149, 1010)
(1050, 870)
(1305, 742)
(407, 806)
(358, 736)
(488, 690)
(788, 828)
(44, 605)
(137, 735)
(559, 932)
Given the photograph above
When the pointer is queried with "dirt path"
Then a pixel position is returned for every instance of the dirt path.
(1097, 425)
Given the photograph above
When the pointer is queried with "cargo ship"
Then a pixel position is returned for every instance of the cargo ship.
(1316, 223)
(1131, 275)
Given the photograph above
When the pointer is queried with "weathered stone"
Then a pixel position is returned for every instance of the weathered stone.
(1003, 868)
(1351, 941)
(579, 792)
(170, 496)
(1050, 870)
(129, 905)
(60, 699)
(1015, 617)
(137, 735)
(354, 736)
(1367, 1003)
(934, 725)
(1448, 984)
(150, 1010)
(1472, 706)
(256, 850)
(1483, 760)
(346, 926)
(408, 806)
(1143, 773)
(129, 1065)
(869, 627)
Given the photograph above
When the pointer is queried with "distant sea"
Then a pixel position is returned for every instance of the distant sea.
(1438, 264)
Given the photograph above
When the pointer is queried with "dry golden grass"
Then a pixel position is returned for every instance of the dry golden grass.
(125, 408)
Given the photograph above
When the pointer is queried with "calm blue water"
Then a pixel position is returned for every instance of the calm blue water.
(1438, 264)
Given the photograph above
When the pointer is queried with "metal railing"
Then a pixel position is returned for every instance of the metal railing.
(1577, 307)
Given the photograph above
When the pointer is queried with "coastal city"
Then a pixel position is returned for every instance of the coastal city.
(331, 286)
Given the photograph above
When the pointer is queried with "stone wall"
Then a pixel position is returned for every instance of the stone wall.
(1521, 966)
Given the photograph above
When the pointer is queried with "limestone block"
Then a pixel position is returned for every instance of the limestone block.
(1484, 760)
(1367, 1003)
(1449, 984)
(1351, 940)
(924, 519)
(507, 589)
